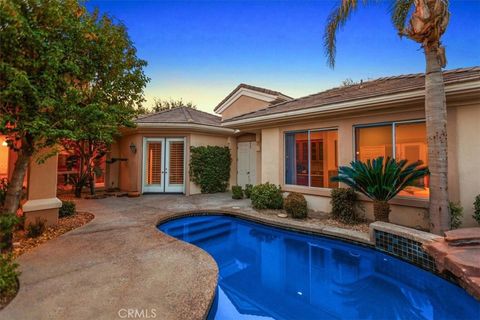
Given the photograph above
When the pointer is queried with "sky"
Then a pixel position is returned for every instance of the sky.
(201, 50)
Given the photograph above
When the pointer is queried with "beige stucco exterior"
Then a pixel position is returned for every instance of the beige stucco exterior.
(129, 170)
(42, 202)
(464, 152)
(242, 105)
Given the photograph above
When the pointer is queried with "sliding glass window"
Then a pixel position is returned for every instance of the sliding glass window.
(401, 140)
(311, 158)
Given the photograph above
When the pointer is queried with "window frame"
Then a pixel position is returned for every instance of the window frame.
(308, 131)
(392, 125)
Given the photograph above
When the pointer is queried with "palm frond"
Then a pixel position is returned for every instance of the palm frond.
(335, 21)
(381, 179)
(400, 12)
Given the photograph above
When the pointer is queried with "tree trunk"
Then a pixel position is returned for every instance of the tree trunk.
(78, 189)
(381, 210)
(436, 122)
(92, 184)
(15, 185)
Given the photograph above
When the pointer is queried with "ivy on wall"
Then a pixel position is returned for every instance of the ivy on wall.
(210, 168)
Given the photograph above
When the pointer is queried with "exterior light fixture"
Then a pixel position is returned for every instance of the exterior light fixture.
(4, 144)
(133, 148)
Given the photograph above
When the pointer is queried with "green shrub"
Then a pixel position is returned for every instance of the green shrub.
(344, 205)
(267, 196)
(35, 230)
(456, 214)
(210, 168)
(248, 191)
(7, 226)
(3, 191)
(237, 192)
(296, 205)
(8, 275)
(67, 209)
(476, 209)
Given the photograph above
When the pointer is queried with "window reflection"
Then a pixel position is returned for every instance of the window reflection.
(311, 158)
(410, 139)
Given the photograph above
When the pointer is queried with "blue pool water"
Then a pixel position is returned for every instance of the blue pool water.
(267, 273)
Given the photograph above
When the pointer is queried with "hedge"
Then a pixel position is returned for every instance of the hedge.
(210, 168)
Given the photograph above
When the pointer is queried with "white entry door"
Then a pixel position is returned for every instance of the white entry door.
(246, 163)
(164, 165)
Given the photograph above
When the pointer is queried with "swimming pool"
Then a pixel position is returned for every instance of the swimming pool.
(268, 272)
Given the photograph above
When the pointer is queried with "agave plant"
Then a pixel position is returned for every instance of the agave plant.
(381, 180)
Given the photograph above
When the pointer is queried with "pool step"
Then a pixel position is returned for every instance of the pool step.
(201, 232)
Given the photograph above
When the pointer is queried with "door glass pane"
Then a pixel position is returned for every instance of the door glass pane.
(296, 158)
(175, 166)
(323, 158)
(373, 142)
(154, 163)
(411, 145)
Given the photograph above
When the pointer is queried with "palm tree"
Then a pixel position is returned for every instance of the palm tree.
(381, 181)
(423, 21)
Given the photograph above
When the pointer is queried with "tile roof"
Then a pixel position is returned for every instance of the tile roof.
(363, 90)
(183, 115)
(279, 95)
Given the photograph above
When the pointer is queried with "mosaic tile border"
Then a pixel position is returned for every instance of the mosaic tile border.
(404, 248)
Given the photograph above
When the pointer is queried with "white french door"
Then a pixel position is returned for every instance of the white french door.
(246, 163)
(164, 165)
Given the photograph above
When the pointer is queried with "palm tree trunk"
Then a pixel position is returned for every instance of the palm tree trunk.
(436, 122)
(381, 210)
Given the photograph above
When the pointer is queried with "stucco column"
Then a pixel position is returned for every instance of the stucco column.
(271, 143)
(42, 202)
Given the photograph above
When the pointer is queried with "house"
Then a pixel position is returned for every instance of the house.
(300, 143)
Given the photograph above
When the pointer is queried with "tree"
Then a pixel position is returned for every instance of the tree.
(48, 79)
(161, 105)
(423, 21)
(111, 90)
(381, 180)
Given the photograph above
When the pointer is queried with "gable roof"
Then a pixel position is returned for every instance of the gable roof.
(277, 96)
(182, 115)
(364, 90)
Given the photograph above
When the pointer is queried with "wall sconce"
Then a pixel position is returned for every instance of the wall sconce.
(133, 148)
(4, 144)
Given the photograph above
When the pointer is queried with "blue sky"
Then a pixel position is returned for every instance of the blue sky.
(201, 50)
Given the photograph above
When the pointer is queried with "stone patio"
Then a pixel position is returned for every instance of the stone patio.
(121, 261)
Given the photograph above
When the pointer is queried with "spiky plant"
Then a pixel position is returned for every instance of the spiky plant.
(423, 21)
(381, 180)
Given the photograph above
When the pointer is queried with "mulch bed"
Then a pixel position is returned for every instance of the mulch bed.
(22, 244)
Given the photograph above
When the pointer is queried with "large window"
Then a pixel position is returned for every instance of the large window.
(401, 140)
(68, 169)
(311, 158)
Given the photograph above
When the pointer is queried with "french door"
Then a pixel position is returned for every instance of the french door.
(164, 165)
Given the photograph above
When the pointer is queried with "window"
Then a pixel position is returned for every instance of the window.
(68, 169)
(311, 158)
(401, 140)
(4, 152)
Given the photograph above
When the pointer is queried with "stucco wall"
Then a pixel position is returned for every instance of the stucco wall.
(270, 160)
(242, 105)
(129, 172)
(464, 152)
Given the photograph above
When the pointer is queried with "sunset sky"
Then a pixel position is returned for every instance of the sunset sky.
(201, 50)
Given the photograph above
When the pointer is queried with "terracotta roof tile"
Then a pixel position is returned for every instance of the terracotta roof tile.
(367, 89)
(181, 115)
